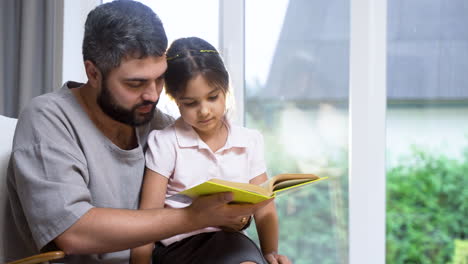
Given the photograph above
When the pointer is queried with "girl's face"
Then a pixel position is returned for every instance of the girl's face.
(202, 106)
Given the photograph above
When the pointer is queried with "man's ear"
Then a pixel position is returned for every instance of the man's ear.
(93, 73)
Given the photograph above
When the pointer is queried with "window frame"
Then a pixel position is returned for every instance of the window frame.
(367, 131)
(232, 47)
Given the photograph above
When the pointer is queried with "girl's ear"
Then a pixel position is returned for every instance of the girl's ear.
(178, 103)
(230, 103)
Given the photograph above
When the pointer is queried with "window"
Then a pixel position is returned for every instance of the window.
(427, 129)
(296, 94)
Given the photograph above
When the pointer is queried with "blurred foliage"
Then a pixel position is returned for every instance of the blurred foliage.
(427, 208)
(427, 204)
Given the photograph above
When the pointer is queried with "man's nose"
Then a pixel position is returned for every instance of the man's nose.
(151, 93)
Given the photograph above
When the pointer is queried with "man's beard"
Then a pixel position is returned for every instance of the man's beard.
(130, 117)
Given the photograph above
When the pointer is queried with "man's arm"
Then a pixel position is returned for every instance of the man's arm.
(103, 230)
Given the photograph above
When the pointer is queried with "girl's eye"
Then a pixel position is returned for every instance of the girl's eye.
(190, 104)
(213, 98)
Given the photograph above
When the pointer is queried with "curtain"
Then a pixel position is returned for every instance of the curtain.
(30, 51)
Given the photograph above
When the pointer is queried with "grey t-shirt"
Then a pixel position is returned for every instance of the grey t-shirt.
(61, 167)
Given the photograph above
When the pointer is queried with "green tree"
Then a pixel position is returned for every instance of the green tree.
(426, 208)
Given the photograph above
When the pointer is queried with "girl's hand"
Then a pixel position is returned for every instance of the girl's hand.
(275, 258)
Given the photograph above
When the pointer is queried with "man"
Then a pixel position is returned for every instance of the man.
(78, 154)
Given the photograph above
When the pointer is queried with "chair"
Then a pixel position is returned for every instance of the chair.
(7, 126)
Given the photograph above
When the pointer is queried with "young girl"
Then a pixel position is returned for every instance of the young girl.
(199, 146)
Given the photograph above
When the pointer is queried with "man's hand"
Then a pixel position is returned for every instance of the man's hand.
(275, 258)
(214, 210)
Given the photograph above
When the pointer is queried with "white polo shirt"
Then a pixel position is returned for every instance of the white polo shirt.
(178, 153)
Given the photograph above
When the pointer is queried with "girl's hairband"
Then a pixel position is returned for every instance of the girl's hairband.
(201, 51)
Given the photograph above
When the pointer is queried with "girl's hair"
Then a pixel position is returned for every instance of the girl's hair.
(189, 57)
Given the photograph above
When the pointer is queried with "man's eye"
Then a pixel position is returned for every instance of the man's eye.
(160, 79)
(135, 84)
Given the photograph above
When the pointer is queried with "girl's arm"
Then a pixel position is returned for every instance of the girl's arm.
(153, 194)
(266, 221)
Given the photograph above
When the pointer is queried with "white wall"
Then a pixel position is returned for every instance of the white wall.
(436, 128)
(441, 129)
(75, 13)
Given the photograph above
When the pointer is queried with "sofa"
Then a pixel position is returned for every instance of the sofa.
(7, 127)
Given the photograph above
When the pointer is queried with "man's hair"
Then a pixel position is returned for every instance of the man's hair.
(122, 28)
(189, 57)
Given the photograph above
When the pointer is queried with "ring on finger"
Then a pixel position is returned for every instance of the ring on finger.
(243, 220)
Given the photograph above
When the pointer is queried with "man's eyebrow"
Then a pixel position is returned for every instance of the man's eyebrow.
(135, 79)
(140, 79)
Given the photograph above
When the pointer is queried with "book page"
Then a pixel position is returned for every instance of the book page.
(297, 186)
(288, 183)
(274, 181)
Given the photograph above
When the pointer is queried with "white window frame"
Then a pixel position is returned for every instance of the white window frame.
(231, 45)
(367, 138)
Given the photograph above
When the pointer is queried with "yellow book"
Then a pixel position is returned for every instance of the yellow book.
(246, 192)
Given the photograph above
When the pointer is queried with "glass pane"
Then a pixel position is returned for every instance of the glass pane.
(296, 72)
(188, 18)
(427, 128)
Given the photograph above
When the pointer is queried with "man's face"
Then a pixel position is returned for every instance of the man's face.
(130, 92)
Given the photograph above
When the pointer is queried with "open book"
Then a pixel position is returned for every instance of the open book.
(249, 193)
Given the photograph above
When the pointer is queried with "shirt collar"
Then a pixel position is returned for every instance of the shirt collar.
(187, 137)
(185, 134)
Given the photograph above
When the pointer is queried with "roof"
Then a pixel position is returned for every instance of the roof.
(427, 48)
